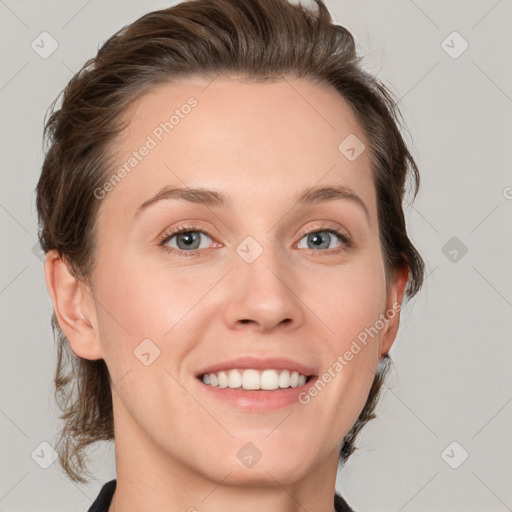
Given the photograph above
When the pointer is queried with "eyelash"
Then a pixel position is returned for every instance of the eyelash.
(345, 239)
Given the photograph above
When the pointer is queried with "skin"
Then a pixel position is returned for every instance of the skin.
(262, 145)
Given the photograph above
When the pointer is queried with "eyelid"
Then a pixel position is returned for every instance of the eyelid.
(182, 228)
(327, 226)
(341, 233)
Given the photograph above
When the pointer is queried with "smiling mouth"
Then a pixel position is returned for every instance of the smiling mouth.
(255, 380)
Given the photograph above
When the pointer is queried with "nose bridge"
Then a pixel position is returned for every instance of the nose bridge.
(263, 285)
(262, 265)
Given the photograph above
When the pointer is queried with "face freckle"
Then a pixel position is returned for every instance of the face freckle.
(234, 167)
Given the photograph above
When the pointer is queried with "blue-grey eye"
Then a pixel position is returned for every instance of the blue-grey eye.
(188, 240)
(321, 239)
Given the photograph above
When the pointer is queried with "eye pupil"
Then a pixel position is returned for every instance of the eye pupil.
(189, 238)
(320, 238)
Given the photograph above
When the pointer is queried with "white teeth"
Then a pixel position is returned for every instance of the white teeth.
(223, 379)
(269, 380)
(234, 379)
(284, 379)
(255, 379)
(250, 379)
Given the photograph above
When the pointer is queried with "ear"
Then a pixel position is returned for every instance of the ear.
(393, 307)
(74, 307)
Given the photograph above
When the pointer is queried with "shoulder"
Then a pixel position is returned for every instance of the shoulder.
(102, 501)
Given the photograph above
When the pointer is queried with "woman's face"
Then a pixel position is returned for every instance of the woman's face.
(260, 274)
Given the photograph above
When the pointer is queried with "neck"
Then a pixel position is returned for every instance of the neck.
(148, 478)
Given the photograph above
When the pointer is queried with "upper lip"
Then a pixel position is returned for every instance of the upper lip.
(258, 363)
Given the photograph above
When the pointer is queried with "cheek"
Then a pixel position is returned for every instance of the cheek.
(352, 305)
(136, 303)
(350, 299)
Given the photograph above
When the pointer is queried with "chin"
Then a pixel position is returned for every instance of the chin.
(284, 472)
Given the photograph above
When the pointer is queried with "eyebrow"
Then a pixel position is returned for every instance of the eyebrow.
(214, 198)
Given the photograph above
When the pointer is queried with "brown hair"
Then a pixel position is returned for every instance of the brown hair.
(254, 39)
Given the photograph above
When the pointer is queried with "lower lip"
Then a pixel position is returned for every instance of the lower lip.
(257, 400)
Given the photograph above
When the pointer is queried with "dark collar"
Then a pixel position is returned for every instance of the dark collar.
(102, 502)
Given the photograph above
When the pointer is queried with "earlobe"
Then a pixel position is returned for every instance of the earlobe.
(74, 307)
(393, 307)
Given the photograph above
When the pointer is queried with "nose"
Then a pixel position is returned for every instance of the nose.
(264, 295)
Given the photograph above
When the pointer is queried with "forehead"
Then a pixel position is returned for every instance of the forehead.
(260, 143)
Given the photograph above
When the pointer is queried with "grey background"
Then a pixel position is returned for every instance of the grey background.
(451, 379)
